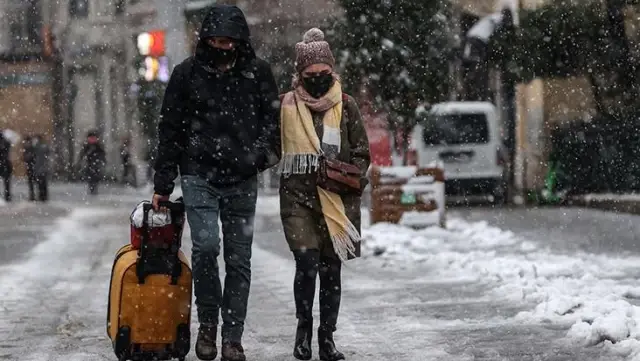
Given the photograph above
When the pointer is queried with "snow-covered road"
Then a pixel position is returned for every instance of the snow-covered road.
(471, 292)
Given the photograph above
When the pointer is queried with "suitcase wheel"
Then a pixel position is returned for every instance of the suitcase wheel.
(183, 341)
(122, 343)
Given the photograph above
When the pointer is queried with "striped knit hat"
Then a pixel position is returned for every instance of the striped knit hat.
(313, 50)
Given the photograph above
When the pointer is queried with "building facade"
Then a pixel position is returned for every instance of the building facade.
(98, 43)
(92, 38)
(30, 82)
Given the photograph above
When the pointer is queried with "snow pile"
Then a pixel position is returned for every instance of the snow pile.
(436, 245)
(596, 306)
(591, 295)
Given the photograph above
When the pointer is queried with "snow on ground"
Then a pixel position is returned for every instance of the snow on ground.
(268, 205)
(50, 259)
(52, 305)
(593, 295)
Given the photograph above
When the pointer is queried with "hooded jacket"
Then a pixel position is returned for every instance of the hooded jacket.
(223, 126)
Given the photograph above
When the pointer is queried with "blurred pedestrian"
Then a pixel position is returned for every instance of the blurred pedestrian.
(28, 157)
(322, 227)
(94, 157)
(41, 168)
(36, 159)
(219, 128)
(6, 166)
(128, 170)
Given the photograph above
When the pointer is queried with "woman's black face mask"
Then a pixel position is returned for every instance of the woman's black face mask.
(317, 84)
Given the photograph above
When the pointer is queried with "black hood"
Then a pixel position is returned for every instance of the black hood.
(228, 21)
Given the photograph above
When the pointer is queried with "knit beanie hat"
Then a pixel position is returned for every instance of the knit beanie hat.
(313, 50)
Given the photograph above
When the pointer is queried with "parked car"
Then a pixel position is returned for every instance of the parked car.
(466, 138)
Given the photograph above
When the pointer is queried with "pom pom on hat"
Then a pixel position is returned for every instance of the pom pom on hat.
(312, 35)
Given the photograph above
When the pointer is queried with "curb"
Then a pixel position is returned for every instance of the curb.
(621, 205)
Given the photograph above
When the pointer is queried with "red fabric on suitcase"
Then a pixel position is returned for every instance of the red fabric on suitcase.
(158, 236)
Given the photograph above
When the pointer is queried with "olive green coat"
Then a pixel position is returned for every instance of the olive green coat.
(300, 210)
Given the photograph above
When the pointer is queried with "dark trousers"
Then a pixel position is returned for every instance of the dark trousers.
(7, 188)
(128, 170)
(235, 206)
(31, 181)
(310, 264)
(43, 188)
(93, 178)
(42, 184)
(93, 186)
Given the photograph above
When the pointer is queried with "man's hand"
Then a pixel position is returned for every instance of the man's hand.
(155, 201)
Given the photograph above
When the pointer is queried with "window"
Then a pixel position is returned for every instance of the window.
(79, 8)
(15, 31)
(25, 26)
(449, 129)
(33, 22)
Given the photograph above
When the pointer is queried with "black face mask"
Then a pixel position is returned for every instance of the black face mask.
(318, 85)
(217, 56)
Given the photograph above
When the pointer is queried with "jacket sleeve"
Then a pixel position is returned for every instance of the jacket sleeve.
(171, 133)
(27, 154)
(83, 152)
(269, 120)
(358, 140)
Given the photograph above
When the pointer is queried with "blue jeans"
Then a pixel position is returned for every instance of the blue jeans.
(236, 206)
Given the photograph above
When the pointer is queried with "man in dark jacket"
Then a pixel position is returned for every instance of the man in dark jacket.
(220, 128)
(6, 167)
(93, 154)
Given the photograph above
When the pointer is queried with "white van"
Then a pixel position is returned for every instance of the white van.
(464, 137)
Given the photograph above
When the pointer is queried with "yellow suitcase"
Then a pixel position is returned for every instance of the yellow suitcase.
(149, 310)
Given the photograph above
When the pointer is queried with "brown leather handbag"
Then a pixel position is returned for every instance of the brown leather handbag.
(338, 177)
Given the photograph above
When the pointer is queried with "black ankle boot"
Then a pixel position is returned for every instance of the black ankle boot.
(206, 343)
(304, 334)
(327, 348)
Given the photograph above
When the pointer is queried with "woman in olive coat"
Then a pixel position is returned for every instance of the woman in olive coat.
(322, 228)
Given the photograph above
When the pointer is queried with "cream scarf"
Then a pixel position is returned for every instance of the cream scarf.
(301, 148)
